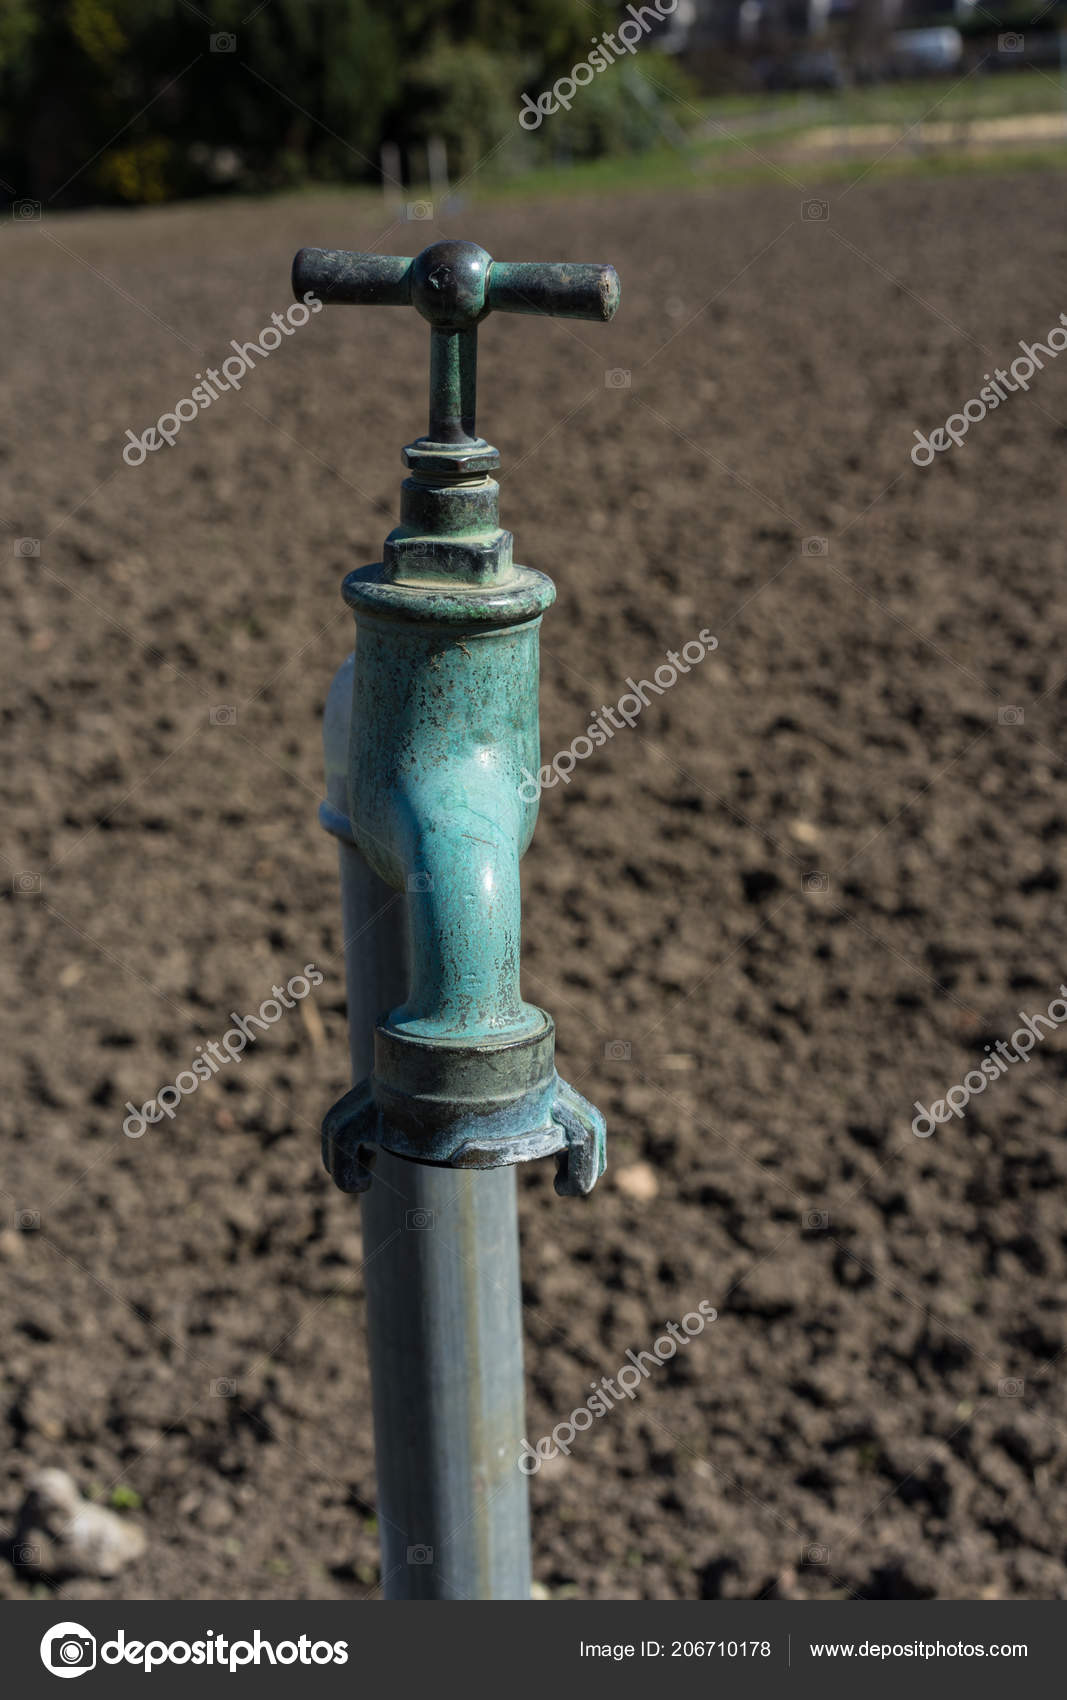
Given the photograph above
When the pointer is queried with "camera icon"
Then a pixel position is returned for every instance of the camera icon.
(420, 882)
(1010, 717)
(26, 884)
(27, 548)
(68, 1649)
(815, 1554)
(224, 1388)
(816, 1221)
(816, 212)
(420, 1220)
(616, 378)
(27, 1221)
(24, 210)
(25, 1557)
(224, 43)
(814, 881)
(618, 1050)
(1011, 1387)
(419, 210)
(1011, 43)
(420, 1555)
(223, 714)
(815, 546)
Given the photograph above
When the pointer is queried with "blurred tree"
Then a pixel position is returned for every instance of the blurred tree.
(466, 95)
(633, 105)
(143, 100)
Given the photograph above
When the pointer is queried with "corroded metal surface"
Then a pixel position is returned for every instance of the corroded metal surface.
(444, 721)
(477, 284)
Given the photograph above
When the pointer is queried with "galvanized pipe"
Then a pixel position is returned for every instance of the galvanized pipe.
(444, 1315)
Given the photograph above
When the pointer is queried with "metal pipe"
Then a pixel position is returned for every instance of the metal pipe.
(453, 385)
(444, 1314)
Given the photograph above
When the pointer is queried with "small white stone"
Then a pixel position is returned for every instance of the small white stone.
(61, 1534)
(638, 1181)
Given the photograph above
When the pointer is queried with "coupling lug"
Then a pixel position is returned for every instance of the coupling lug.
(349, 1139)
(465, 1107)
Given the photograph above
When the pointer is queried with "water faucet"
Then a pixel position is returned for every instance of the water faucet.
(444, 725)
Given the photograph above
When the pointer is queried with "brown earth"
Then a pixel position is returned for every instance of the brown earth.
(880, 1297)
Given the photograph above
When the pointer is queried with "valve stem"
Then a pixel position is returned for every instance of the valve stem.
(453, 385)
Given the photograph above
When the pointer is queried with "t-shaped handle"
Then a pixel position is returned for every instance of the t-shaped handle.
(454, 285)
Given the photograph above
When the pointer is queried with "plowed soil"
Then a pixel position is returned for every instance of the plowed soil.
(819, 875)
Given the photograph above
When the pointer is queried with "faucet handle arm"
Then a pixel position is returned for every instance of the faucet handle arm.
(564, 290)
(364, 280)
